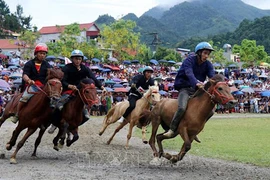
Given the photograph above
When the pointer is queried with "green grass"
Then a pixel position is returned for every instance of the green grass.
(241, 140)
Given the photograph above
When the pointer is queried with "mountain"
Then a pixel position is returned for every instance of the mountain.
(156, 12)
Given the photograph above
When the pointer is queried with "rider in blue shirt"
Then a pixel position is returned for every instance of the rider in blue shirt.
(190, 76)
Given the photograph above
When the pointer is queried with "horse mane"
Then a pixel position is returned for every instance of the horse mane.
(216, 78)
(88, 81)
(54, 73)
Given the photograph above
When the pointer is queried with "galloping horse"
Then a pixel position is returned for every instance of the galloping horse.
(72, 113)
(36, 113)
(197, 113)
(150, 96)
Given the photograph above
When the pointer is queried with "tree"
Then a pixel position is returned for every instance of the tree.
(28, 39)
(250, 52)
(121, 38)
(24, 21)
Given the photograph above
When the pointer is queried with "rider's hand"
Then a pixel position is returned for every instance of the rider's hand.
(72, 87)
(133, 85)
(200, 85)
(30, 82)
(141, 90)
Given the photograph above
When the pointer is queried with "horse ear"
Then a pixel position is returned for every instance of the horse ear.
(83, 85)
(212, 81)
(155, 83)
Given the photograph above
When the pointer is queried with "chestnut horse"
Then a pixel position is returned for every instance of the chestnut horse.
(151, 96)
(198, 111)
(72, 113)
(36, 113)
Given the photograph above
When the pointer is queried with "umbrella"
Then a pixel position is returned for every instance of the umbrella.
(173, 73)
(4, 84)
(94, 67)
(153, 61)
(237, 93)
(51, 57)
(12, 67)
(85, 58)
(257, 81)
(61, 58)
(106, 70)
(263, 76)
(233, 89)
(265, 93)
(169, 79)
(232, 65)
(15, 75)
(115, 68)
(158, 78)
(163, 92)
(120, 90)
(3, 56)
(109, 89)
(4, 72)
(217, 65)
(100, 78)
(113, 59)
(140, 70)
(238, 81)
(17, 81)
(67, 61)
(95, 60)
(170, 84)
(171, 62)
(109, 82)
(248, 90)
(135, 61)
(118, 86)
(116, 80)
(126, 84)
(178, 63)
(126, 62)
(162, 61)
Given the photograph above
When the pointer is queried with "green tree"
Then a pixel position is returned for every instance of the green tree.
(28, 38)
(121, 38)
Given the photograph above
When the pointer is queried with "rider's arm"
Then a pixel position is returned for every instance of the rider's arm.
(26, 73)
(211, 71)
(188, 66)
(92, 76)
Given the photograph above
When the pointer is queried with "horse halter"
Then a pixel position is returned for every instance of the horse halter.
(215, 93)
(86, 100)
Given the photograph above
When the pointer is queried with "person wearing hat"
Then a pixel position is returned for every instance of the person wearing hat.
(73, 74)
(189, 78)
(34, 74)
(139, 84)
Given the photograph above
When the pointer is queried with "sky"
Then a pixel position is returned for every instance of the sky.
(63, 12)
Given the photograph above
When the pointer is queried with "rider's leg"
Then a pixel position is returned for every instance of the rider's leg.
(132, 103)
(24, 99)
(86, 115)
(182, 105)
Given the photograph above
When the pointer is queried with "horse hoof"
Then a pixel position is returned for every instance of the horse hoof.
(60, 146)
(34, 156)
(56, 148)
(126, 147)
(108, 142)
(145, 142)
(155, 162)
(100, 133)
(8, 147)
(174, 159)
(13, 161)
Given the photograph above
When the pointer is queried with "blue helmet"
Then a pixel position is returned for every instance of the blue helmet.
(148, 68)
(76, 53)
(203, 45)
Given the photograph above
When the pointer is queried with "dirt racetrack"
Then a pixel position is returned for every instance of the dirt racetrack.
(91, 158)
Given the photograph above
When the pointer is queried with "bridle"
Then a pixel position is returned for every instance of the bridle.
(213, 93)
(85, 100)
(52, 81)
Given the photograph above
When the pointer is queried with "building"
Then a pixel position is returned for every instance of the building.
(229, 55)
(52, 33)
(9, 46)
(183, 52)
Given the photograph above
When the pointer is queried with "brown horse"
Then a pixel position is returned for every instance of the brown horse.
(151, 96)
(198, 111)
(72, 113)
(36, 113)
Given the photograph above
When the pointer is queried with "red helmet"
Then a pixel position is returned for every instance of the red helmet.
(41, 47)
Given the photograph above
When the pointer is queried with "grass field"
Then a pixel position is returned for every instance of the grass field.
(243, 140)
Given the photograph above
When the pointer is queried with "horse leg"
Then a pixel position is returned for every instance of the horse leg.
(75, 137)
(105, 125)
(63, 136)
(14, 137)
(20, 144)
(152, 139)
(117, 130)
(160, 138)
(38, 140)
(131, 125)
(56, 139)
(144, 135)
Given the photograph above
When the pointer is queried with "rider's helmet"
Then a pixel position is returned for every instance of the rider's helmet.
(76, 53)
(41, 47)
(202, 46)
(148, 68)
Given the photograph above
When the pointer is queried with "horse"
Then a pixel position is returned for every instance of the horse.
(151, 96)
(199, 110)
(72, 114)
(36, 113)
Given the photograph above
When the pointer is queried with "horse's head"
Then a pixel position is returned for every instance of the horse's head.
(88, 92)
(53, 86)
(220, 91)
(153, 94)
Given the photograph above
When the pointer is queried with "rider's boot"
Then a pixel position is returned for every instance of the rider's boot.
(121, 119)
(52, 129)
(15, 118)
(175, 123)
(86, 116)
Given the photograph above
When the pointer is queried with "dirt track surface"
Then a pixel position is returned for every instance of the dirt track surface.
(91, 158)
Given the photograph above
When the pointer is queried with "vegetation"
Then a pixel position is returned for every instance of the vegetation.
(242, 140)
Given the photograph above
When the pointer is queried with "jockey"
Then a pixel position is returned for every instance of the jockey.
(139, 83)
(34, 75)
(191, 76)
(73, 74)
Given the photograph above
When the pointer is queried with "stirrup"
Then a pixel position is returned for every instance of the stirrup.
(169, 133)
(13, 119)
(52, 129)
